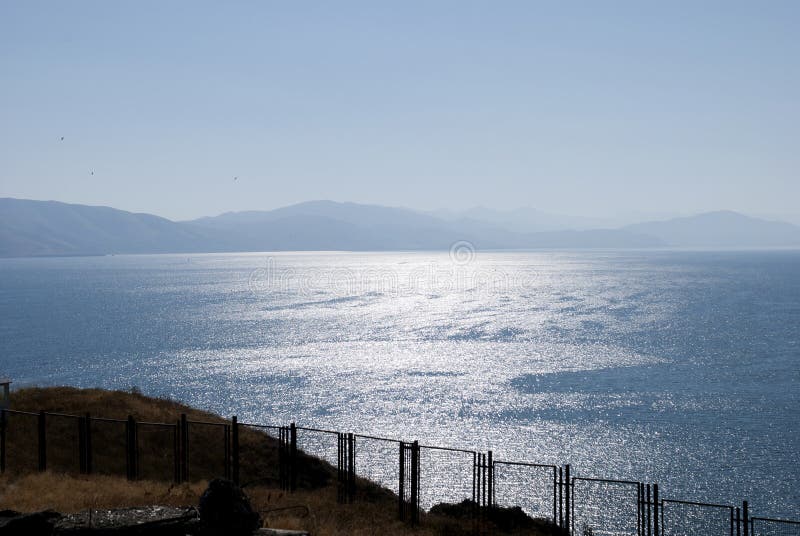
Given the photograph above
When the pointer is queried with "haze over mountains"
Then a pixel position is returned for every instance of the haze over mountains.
(36, 228)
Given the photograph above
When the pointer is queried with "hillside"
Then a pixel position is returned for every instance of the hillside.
(35, 228)
(312, 507)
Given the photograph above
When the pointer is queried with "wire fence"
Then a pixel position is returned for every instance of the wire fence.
(322, 444)
(205, 438)
(20, 432)
(532, 487)
(446, 476)
(62, 448)
(377, 460)
(157, 449)
(108, 440)
(762, 526)
(605, 507)
(685, 518)
(362, 467)
(259, 454)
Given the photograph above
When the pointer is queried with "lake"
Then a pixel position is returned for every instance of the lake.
(676, 367)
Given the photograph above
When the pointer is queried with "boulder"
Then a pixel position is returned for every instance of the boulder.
(36, 524)
(225, 509)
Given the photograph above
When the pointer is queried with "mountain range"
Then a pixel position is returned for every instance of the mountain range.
(39, 228)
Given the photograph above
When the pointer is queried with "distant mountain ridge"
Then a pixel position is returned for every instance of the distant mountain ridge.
(526, 219)
(36, 228)
(720, 229)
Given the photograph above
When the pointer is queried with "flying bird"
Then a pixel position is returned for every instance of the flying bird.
(236, 178)
(91, 173)
(62, 138)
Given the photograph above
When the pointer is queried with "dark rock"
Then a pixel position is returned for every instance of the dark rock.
(225, 509)
(35, 524)
(133, 521)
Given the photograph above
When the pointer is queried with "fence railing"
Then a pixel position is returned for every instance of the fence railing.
(420, 476)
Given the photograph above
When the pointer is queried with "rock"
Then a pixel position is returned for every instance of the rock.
(35, 524)
(225, 509)
(133, 521)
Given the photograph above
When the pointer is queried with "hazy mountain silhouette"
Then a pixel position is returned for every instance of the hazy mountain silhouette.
(721, 229)
(525, 219)
(347, 212)
(332, 225)
(33, 228)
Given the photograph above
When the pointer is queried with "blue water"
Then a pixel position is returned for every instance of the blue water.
(673, 367)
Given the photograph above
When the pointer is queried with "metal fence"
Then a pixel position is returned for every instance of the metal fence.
(419, 476)
(605, 507)
(537, 483)
(157, 448)
(446, 476)
(763, 526)
(107, 437)
(685, 518)
(377, 459)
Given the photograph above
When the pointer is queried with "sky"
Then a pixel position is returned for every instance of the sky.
(583, 108)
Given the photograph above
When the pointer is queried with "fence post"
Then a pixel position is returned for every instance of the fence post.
(485, 488)
(746, 518)
(567, 501)
(351, 465)
(226, 433)
(132, 448)
(176, 451)
(738, 522)
(561, 497)
(639, 509)
(2, 441)
(135, 443)
(128, 448)
(491, 480)
(474, 483)
(555, 496)
(401, 483)
(284, 456)
(235, 448)
(184, 448)
(339, 458)
(292, 457)
(655, 509)
(344, 468)
(88, 438)
(82, 445)
(42, 442)
(415, 483)
(642, 506)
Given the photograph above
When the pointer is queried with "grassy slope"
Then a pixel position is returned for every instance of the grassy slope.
(374, 511)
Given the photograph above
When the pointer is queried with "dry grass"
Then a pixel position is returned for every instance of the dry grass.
(73, 493)
(374, 512)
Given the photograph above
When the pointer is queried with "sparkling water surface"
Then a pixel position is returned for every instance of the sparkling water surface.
(676, 367)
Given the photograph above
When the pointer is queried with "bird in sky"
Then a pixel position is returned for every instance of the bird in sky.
(62, 138)
(236, 178)
(91, 173)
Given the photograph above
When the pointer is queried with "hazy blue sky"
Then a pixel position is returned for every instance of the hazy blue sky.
(596, 107)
